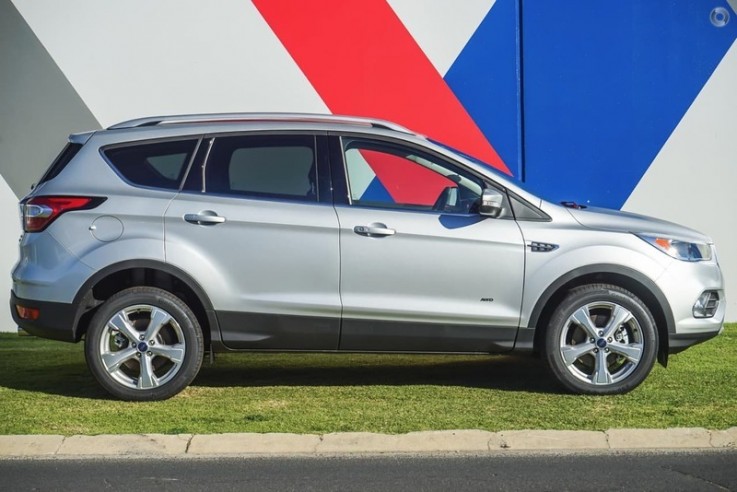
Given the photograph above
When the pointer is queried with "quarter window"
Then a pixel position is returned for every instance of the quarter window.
(282, 167)
(158, 165)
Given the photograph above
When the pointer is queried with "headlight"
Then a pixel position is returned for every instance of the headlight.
(680, 250)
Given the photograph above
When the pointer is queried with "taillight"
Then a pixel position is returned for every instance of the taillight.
(27, 313)
(39, 212)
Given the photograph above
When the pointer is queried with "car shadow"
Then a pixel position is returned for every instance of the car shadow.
(505, 372)
(63, 379)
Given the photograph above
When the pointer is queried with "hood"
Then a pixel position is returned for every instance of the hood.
(614, 220)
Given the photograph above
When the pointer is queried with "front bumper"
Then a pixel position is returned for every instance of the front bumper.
(683, 283)
(56, 320)
(680, 342)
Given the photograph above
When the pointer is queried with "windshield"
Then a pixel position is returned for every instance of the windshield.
(496, 172)
(504, 177)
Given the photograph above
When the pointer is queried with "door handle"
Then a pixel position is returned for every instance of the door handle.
(375, 229)
(206, 217)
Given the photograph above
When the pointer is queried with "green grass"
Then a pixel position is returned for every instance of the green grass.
(45, 388)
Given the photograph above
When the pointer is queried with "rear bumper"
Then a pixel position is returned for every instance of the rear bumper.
(55, 320)
(678, 342)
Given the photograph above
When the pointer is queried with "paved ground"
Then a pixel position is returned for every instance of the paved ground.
(458, 441)
(708, 470)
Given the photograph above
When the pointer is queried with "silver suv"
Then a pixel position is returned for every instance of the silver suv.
(159, 239)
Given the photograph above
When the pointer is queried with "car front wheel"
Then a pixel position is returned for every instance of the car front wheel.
(144, 344)
(601, 340)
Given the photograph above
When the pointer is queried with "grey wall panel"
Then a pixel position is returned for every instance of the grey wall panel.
(38, 106)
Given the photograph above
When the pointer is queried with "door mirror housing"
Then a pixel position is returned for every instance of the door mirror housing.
(492, 201)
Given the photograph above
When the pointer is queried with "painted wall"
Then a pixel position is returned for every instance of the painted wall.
(625, 104)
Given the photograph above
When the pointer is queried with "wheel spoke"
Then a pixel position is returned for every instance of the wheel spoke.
(113, 360)
(120, 323)
(633, 352)
(571, 353)
(158, 319)
(174, 353)
(583, 319)
(619, 316)
(147, 378)
(601, 373)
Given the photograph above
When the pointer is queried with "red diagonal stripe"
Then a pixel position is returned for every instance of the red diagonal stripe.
(361, 60)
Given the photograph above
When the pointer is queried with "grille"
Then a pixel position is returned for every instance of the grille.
(712, 303)
(706, 305)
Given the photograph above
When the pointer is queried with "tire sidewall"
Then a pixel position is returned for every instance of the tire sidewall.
(178, 310)
(591, 294)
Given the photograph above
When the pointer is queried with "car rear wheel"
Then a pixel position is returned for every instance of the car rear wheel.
(601, 340)
(144, 344)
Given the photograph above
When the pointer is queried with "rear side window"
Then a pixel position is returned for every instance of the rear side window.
(263, 166)
(156, 165)
(61, 161)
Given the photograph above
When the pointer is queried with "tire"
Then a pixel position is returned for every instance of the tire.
(601, 340)
(136, 359)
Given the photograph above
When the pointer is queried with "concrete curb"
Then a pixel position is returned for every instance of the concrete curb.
(450, 441)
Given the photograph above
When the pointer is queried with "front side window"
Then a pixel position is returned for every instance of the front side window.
(156, 165)
(385, 175)
(267, 166)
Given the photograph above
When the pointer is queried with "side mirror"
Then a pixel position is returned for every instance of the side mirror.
(491, 203)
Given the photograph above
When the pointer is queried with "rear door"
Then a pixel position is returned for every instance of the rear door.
(256, 227)
(421, 270)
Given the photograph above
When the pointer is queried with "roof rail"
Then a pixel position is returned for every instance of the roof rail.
(238, 117)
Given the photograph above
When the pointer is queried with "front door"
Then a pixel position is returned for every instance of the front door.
(421, 270)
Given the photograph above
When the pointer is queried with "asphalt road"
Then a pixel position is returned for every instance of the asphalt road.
(706, 470)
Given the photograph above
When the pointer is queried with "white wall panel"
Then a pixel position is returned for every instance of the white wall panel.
(693, 179)
(10, 223)
(440, 27)
(136, 58)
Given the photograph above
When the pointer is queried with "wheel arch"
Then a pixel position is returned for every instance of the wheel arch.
(627, 278)
(131, 273)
